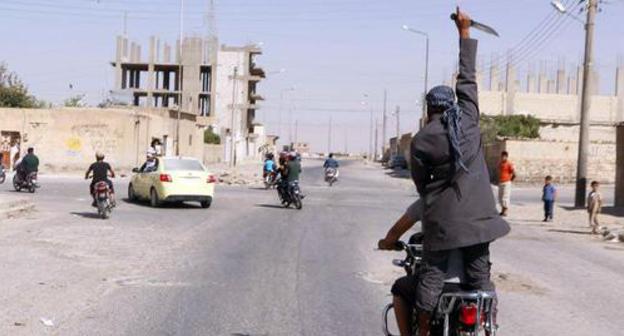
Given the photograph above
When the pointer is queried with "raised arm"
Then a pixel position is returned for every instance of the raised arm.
(466, 88)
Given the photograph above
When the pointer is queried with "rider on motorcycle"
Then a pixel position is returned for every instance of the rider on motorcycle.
(28, 164)
(331, 162)
(101, 172)
(269, 165)
(448, 168)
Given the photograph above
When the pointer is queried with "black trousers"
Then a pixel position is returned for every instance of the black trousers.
(422, 291)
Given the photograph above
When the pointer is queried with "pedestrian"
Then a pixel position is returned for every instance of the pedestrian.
(14, 155)
(594, 206)
(549, 196)
(506, 175)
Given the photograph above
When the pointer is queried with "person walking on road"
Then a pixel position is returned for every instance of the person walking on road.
(549, 196)
(594, 206)
(506, 175)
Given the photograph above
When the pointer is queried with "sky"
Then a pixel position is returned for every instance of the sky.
(338, 55)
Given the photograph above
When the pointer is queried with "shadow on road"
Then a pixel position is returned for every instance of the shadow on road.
(271, 206)
(571, 231)
(90, 215)
(168, 205)
(613, 211)
(399, 173)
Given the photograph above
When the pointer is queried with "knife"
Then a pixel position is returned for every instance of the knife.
(478, 25)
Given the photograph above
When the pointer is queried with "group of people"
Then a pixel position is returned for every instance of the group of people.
(507, 174)
(286, 171)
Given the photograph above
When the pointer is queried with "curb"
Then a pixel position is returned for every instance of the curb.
(16, 208)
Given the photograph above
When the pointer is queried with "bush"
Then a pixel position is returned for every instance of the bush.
(514, 126)
(210, 137)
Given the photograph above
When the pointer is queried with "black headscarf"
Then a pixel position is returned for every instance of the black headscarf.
(442, 98)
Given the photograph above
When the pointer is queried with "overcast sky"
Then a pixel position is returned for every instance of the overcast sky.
(335, 52)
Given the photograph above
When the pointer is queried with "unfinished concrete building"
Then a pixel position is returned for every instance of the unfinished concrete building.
(218, 84)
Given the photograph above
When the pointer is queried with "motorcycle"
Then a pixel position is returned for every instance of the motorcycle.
(29, 183)
(2, 174)
(102, 199)
(331, 175)
(292, 195)
(459, 312)
(270, 179)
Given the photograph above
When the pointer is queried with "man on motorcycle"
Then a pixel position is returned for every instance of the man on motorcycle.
(331, 162)
(449, 170)
(28, 164)
(269, 165)
(101, 170)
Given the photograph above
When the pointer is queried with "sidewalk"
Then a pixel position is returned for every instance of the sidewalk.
(569, 220)
(14, 205)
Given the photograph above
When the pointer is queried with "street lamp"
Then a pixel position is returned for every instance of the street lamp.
(411, 30)
(583, 146)
(561, 8)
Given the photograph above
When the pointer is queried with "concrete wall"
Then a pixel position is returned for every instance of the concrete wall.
(66, 139)
(534, 159)
(213, 153)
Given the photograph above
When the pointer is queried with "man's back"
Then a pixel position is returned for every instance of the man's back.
(331, 163)
(294, 170)
(100, 171)
(31, 163)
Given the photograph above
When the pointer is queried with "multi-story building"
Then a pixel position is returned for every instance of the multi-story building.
(218, 84)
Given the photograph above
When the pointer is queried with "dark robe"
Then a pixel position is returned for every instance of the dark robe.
(459, 206)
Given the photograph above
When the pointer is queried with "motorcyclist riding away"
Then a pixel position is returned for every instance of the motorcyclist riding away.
(101, 170)
(28, 164)
(331, 162)
(449, 170)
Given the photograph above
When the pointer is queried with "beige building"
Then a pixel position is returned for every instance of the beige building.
(66, 139)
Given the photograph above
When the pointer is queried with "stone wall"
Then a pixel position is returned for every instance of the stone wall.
(66, 139)
(213, 153)
(534, 159)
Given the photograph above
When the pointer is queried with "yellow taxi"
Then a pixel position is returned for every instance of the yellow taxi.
(172, 179)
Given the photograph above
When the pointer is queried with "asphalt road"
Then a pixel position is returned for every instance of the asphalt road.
(249, 267)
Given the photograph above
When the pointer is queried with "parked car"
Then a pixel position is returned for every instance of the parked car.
(398, 161)
(174, 179)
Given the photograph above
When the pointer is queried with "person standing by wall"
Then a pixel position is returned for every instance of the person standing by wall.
(594, 206)
(549, 196)
(506, 175)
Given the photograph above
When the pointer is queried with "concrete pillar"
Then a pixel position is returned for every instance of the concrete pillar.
(151, 78)
(561, 84)
(510, 88)
(494, 75)
(542, 83)
(571, 89)
(619, 92)
(118, 57)
(167, 53)
(619, 166)
(132, 52)
(595, 83)
(138, 53)
(124, 53)
(531, 83)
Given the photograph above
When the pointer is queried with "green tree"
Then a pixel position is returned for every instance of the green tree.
(210, 137)
(513, 126)
(13, 92)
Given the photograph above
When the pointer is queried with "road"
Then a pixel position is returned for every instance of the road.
(248, 267)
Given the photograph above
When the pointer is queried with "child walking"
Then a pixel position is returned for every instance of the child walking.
(549, 196)
(594, 206)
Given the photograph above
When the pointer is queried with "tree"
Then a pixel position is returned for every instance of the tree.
(513, 126)
(210, 137)
(75, 101)
(13, 92)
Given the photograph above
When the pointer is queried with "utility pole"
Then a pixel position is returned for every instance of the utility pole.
(397, 113)
(346, 143)
(583, 148)
(376, 137)
(383, 122)
(370, 139)
(233, 117)
(180, 96)
(296, 131)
